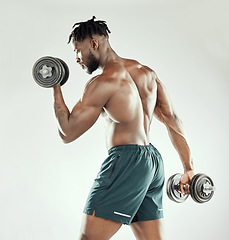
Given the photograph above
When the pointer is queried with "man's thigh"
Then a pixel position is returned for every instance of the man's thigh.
(149, 230)
(97, 228)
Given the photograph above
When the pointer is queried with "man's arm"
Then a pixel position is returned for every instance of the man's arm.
(84, 114)
(165, 113)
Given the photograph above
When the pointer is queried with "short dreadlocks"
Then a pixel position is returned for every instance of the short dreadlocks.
(83, 29)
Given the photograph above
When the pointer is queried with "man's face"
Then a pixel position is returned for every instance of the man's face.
(84, 55)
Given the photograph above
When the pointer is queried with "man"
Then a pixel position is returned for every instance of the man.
(128, 188)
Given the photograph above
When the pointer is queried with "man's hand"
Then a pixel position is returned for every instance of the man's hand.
(185, 181)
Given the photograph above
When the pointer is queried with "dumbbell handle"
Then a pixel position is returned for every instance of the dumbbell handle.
(207, 188)
(177, 187)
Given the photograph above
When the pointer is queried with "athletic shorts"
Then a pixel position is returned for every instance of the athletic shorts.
(129, 185)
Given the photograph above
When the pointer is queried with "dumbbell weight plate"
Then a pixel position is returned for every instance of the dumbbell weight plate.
(65, 70)
(173, 189)
(201, 188)
(48, 72)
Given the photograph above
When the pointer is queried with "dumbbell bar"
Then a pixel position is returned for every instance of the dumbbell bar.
(49, 72)
(201, 188)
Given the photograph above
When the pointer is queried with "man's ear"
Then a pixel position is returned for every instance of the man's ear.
(94, 44)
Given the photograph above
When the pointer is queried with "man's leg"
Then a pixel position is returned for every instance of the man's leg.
(149, 230)
(95, 228)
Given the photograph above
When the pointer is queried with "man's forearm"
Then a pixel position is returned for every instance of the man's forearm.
(179, 141)
(61, 111)
(181, 145)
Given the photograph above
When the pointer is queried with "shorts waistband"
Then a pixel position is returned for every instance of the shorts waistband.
(131, 147)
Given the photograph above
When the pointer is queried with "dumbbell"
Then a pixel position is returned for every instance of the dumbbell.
(201, 188)
(50, 71)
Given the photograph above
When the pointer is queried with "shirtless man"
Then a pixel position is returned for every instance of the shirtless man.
(128, 189)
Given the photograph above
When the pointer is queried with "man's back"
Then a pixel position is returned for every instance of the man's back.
(129, 111)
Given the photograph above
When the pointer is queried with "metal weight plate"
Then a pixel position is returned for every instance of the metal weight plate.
(173, 189)
(192, 188)
(168, 188)
(201, 188)
(65, 72)
(47, 72)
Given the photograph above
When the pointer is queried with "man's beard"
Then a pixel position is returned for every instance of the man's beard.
(93, 63)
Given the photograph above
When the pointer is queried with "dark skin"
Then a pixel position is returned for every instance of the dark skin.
(128, 95)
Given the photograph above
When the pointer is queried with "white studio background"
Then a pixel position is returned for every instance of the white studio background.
(44, 183)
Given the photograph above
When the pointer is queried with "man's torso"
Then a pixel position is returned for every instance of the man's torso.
(129, 111)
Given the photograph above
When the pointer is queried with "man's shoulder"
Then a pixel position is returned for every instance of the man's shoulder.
(102, 81)
(91, 81)
(139, 70)
(134, 64)
(112, 73)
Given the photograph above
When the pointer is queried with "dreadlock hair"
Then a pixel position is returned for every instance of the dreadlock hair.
(83, 29)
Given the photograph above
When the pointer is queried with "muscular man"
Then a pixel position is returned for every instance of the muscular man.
(128, 187)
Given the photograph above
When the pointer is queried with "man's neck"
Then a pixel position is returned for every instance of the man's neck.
(109, 56)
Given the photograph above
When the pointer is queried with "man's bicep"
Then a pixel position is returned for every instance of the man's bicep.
(84, 113)
(81, 119)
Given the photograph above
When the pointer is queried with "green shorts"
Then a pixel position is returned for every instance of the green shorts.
(129, 185)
